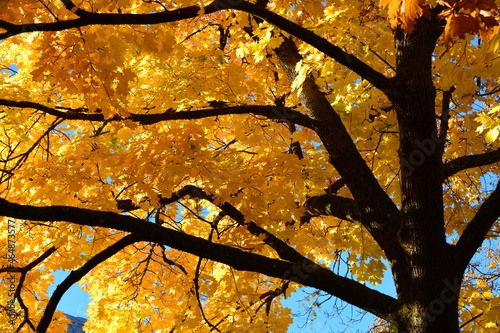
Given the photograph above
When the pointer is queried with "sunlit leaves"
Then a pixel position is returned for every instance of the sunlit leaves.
(490, 124)
(212, 62)
(462, 17)
(404, 13)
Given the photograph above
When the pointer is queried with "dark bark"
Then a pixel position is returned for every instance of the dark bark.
(470, 161)
(314, 276)
(283, 114)
(423, 283)
(343, 208)
(378, 213)
(77, 275)
(332, 205)
(445, 116)
(284, 250)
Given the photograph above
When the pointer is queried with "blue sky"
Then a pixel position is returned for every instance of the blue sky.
(75, 301)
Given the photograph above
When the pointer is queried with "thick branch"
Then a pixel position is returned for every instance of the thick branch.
(88, 18)
(378, 212)
(268, 111)
(468, 162)
(76, 276)
(317, 277)
(332, 205)
(366, 72)
(475, 232)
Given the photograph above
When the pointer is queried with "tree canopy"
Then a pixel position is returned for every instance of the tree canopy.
(194, 162)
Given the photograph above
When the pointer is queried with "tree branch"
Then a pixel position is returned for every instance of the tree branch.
(377, 79)
(196, 279)
(284, 250)
(379, 214)
(475, 232)
(88, 18)
(445, 115)
(268, 111)
(329, 205)
(24, 271)
(317, 277)
(76, 276)
(470, 161)
(332, 205)
(271, 295)
(31, 265)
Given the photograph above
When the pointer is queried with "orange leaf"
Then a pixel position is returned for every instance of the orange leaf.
(404, 13)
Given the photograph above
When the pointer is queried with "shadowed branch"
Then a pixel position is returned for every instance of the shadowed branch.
(468, 162)
(268, 111)
(475, 232)
(314, 276)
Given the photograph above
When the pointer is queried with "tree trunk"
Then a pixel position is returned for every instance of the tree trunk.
(428, 289)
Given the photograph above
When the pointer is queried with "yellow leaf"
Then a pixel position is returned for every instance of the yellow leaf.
(492, 135)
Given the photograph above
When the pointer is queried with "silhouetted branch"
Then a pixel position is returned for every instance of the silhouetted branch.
(445, 115)
(77, 275)
(17, 294)
(269, 296)
(470, 161)
(475, 232)
(284, 250)
(268, 111)
(314, 276)
(332, 205)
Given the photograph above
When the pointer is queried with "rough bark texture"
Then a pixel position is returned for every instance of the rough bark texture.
(423, 285)
(414, 241)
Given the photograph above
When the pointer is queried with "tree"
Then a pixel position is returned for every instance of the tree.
(194, 162)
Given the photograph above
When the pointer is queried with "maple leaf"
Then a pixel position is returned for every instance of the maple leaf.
(404, 13)
(464, 17)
